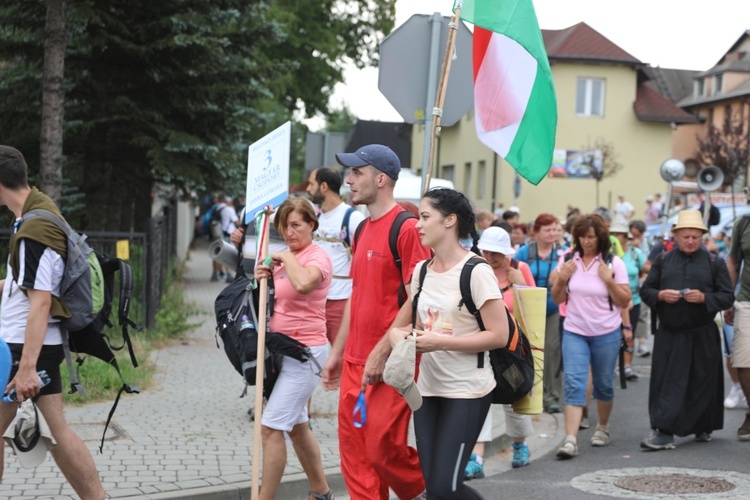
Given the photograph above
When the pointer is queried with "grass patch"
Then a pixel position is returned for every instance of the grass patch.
(102, 382)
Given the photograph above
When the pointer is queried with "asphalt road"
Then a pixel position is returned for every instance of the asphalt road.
(548, 477)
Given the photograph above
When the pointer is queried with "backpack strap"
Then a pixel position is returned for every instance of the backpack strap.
(468, 301)
(513, 263)
(126, 293)
(358, 231)
(393, 235)
(398, 222)
(465, 287)
(532, 251)
(415, 299)
(637, 260)
(608, 261)
(345, 227)
(401, 217)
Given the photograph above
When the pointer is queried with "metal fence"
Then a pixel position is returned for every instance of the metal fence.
(149, 255)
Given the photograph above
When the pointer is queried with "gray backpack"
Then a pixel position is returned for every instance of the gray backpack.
(87, 289)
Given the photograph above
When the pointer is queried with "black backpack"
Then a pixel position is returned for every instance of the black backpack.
(239, 299)
(512, 365)
(393, 233)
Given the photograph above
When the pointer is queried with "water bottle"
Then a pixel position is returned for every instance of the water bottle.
(246, 326)
(44, 379)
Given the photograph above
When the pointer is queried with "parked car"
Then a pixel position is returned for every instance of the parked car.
(725, 222)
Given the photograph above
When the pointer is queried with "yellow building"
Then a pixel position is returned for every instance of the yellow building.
(604, 96)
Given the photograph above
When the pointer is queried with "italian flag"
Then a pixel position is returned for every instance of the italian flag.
(514, 96)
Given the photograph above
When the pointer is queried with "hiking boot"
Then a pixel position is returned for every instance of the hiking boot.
(520, 455)
(630, 374)
(743, 433)
(318, 496)
(601, 436)
(473, 469)
(658, 441)
(569, 449)
(735, 398)
(703, 437)
(642, 351)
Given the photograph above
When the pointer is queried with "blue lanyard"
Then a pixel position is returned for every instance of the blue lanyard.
(360, 408)
(539, 271)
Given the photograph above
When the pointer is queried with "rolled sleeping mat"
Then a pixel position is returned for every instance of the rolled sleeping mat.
(224, 253)
(530, 309)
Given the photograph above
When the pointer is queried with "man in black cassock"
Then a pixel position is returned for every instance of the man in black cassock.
(688, 286)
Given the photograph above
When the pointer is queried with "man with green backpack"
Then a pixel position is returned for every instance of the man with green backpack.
(30, 300)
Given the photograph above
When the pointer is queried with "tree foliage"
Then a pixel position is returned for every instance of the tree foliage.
(174, 91)
(727, 147)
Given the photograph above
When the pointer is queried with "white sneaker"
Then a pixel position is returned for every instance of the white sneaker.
(642, 350)
(735, 398)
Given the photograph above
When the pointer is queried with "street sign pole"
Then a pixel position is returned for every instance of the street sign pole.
(437, 20)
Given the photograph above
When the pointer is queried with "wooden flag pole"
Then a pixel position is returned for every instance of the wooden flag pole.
(437, 111)
(261, 360)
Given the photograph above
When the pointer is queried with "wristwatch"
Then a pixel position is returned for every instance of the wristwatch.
(627, 327)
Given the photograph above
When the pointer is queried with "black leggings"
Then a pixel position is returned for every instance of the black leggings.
(446, 431)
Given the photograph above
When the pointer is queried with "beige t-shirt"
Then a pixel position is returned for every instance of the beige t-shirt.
(452, 374)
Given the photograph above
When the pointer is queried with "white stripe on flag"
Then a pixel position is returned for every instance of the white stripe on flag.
(501, 92)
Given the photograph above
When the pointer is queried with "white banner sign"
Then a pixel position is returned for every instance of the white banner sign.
(718, 199)
(268, 171)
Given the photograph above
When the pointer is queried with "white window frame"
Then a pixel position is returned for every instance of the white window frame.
(588, 103)
(449, 172)
(481, 180)
(700, 87)
(718, 84)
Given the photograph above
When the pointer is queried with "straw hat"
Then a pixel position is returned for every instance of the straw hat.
(619, 227)
(689, 219)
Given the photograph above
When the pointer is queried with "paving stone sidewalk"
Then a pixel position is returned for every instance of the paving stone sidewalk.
(190, 434)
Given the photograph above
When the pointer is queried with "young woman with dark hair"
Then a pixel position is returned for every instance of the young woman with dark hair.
(456, 392)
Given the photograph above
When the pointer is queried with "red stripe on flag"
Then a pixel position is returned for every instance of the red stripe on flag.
(481, 41)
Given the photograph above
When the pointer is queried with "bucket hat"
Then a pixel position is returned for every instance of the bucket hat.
(496, 239)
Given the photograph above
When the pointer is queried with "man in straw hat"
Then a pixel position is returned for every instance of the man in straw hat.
(688, 286)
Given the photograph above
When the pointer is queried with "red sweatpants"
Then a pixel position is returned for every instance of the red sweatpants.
(376, 456)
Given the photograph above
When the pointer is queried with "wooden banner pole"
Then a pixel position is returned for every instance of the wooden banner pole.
(445, 70)
(261, 363)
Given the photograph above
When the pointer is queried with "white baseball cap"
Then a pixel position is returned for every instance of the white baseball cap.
(399, 371)
(496, 239)
(29, 435)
